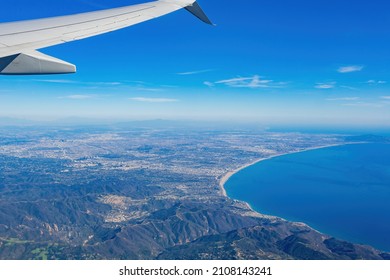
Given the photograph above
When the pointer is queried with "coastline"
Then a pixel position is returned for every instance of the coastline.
(228, 175)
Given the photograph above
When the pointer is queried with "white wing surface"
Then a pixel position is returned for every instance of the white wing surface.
(20, 40)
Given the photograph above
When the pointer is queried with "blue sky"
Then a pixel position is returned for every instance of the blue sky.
(273, 62)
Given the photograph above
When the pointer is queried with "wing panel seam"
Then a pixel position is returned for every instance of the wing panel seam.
(73, 24)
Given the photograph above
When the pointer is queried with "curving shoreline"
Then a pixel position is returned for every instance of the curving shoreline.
(376, 238)
(228, 175)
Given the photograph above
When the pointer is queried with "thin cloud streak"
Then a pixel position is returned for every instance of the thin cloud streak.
(209, 84)
(253, 82)
(78, 82)
(77, 97)
(148, 89)
(195, 72)
(375, 82)
(153, 100)
(325, 85)
(343, 99)
(350, 88)
(56, 81)
(365, 104)
(350, 69)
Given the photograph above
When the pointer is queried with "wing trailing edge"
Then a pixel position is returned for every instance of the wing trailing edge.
(34, 63)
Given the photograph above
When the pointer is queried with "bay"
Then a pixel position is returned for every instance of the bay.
(342, 191)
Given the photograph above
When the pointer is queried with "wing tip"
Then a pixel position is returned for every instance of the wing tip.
(197, 11)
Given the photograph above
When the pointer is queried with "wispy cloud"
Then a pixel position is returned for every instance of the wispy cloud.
(379, 102)
(139, 86)
(106, 83)
(252, 82)
(195, 72)
(56, 81)
(209, 84)
(350, 88)
(350, 69)
(343, 99)
(375, 82)
(245, 82)
(150, 89)
(77, 96)
(146, 86)
(154, 100)
(325, 85)
(366, 104)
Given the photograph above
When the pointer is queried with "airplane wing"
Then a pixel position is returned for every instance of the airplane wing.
(19, 41)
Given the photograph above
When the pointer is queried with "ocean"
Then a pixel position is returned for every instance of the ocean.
(342, 191)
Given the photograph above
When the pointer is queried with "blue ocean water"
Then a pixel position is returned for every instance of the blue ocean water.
(342, 191)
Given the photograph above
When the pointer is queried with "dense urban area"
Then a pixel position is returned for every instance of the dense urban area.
(143, 192)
